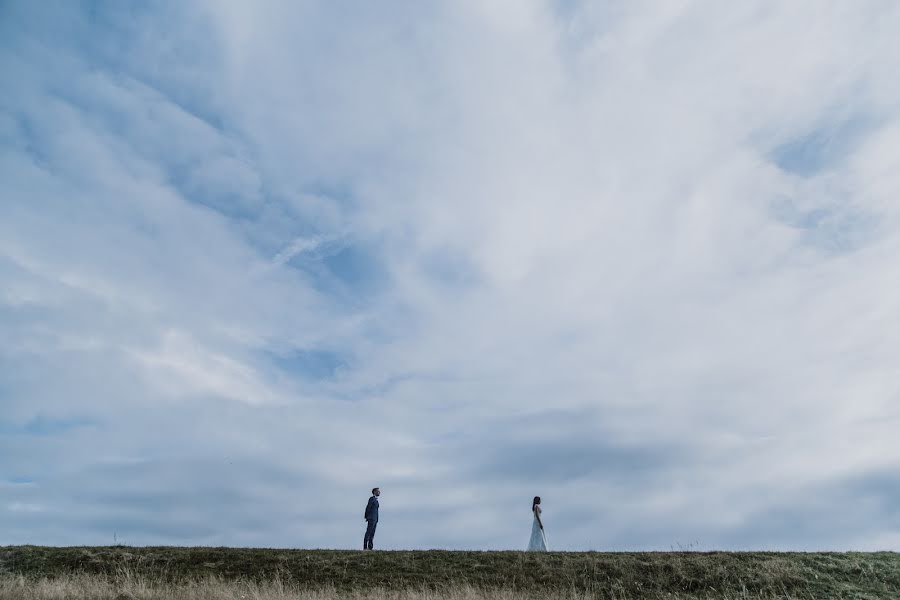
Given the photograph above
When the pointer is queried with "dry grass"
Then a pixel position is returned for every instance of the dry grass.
(256, 573)
(128, 586)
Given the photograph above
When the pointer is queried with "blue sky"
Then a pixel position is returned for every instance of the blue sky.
(638, 258)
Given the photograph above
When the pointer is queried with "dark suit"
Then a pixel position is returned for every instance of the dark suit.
(371, 517)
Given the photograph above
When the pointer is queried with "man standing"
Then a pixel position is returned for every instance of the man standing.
(371, 518)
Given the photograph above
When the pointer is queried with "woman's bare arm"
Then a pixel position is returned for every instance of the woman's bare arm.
(537, 514)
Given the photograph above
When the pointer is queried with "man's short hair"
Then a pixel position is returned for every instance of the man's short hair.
(373, 489)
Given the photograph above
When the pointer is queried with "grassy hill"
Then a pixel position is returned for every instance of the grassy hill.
(558, 574)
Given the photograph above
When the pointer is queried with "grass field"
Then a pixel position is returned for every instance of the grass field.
(149, 573)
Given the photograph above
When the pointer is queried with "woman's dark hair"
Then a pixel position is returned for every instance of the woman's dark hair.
(537, 500)
(373, 489)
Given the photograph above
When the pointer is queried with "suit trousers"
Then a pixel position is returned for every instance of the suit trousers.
(369, 539)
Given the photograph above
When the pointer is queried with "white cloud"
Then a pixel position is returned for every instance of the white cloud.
(297, 246)
(182, 368)
(592, 280)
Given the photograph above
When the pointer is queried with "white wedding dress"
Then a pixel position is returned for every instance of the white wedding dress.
(538, 541)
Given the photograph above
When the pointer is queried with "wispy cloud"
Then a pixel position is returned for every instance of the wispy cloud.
(634, 257)
(301, 245)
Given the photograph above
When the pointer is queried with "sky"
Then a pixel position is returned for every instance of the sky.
(638, 258)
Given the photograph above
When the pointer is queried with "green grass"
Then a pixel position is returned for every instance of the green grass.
(594, 574)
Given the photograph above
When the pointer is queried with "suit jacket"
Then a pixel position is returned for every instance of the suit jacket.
(372, 509)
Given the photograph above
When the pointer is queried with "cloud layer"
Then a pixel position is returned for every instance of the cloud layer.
(638, 258)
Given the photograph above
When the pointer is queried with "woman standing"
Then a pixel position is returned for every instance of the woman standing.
(538, 542)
